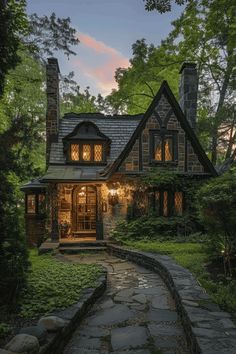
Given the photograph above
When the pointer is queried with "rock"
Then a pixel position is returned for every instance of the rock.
(141, 298)
(3, 351)
(52, 323)
(128, 337)
(36, 331)
(23, 344)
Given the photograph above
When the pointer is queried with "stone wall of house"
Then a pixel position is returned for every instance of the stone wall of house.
(35, 226)
(138, 158)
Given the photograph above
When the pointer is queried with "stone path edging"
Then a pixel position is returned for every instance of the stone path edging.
(73, 316)
(208, 329)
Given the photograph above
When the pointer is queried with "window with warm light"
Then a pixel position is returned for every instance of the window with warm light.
(163, 147)
(168, 203)
(86, 152)
(31, 204)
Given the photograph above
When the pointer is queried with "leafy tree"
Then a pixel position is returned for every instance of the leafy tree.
(138, 84)
(217, 207)
(162, 6)
(13, 23)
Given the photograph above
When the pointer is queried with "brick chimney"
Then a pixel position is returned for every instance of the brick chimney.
(53, 113)
(188, 90)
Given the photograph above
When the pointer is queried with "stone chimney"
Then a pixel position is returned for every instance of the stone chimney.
(53, 113)
(188, 90)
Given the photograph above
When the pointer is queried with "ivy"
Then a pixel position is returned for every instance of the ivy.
(54, 285)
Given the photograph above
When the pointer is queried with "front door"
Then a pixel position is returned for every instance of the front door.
(86, 211)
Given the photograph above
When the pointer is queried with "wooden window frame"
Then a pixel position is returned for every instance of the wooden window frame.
(170, 203)
(163, 134)
(91, 161)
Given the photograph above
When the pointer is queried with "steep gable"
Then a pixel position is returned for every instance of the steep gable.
(164, 114)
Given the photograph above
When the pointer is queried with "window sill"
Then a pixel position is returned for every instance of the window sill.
(163, 163)
(86, 163)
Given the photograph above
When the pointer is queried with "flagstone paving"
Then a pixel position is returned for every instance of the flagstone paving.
(136, 314)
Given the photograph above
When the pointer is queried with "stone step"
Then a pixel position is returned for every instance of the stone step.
(78, 249)
(83, 244)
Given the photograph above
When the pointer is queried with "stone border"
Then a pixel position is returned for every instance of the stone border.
(208, 329)
(73, 315)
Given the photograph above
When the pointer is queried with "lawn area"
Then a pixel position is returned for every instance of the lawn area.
(194, 257)
(52, 285)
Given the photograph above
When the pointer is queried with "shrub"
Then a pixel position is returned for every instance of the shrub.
(217, 209)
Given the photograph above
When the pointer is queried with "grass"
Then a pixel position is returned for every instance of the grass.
(53, 284)
(194, 257)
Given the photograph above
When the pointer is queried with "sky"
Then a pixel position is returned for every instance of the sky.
(106, 30)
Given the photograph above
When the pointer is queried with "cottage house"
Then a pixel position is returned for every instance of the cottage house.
(94, 160)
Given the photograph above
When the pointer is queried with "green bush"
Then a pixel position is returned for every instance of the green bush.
(150, 228)
(217, 209)
(13, 251)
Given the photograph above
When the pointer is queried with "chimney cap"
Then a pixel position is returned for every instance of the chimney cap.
(54, 61)
(187, 65)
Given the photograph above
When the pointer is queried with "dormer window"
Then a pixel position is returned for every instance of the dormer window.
(86, 152)
(86, 145)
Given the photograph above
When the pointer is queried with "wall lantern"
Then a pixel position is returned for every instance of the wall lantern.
(113, 197)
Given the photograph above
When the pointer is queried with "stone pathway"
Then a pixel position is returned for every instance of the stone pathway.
(136, 315)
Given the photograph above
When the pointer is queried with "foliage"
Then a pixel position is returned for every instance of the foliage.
(13, 23)
(162, 178)
(4, 329)
(161, 6)
(150, 228)
(13, 253)
(48, 34)
(193, 256)
(217, 206)
(53, 284)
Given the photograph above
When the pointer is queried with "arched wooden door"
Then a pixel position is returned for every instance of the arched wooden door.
(85, 213)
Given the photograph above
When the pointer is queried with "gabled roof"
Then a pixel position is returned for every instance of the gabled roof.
(166, 91)
(118, 128)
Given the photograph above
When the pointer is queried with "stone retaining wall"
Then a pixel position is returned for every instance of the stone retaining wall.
(73, 316)
(208, 329)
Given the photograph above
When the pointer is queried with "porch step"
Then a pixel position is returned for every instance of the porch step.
(80, 249)
(83, 244)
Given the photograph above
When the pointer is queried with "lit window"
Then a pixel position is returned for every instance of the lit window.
(74, 148)
(158, 148)
(97, 152)
(178, 199)
(163, 148)
(86, 152)
(165, 203)
(168, 149)
(31, 205)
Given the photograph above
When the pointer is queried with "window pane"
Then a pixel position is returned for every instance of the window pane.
(178, 203)
(165, 203)
(157, 148)
(86, 155)
(168, 146)
(31, 204)
(74, 152)
(157, 202)
(97, 152)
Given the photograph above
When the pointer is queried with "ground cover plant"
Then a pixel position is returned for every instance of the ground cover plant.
(51, 285)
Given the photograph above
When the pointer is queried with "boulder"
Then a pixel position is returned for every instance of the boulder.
(52, 323)
(23, 344)
(36, 331)
(3, 351)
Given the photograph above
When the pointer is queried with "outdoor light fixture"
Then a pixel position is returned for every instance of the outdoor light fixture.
(113, 197)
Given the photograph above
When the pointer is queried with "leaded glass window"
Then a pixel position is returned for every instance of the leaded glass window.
(178, 201)
(31, 204)
(74, 152)
(86, 152)
(97, 152)
(164, 146)
(165, 203)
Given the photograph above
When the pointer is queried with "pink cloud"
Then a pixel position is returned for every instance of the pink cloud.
(101, 74)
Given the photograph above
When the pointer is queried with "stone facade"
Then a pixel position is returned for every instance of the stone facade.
(52, 114)
(138, 159)
(35, 226)
(188, 88)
